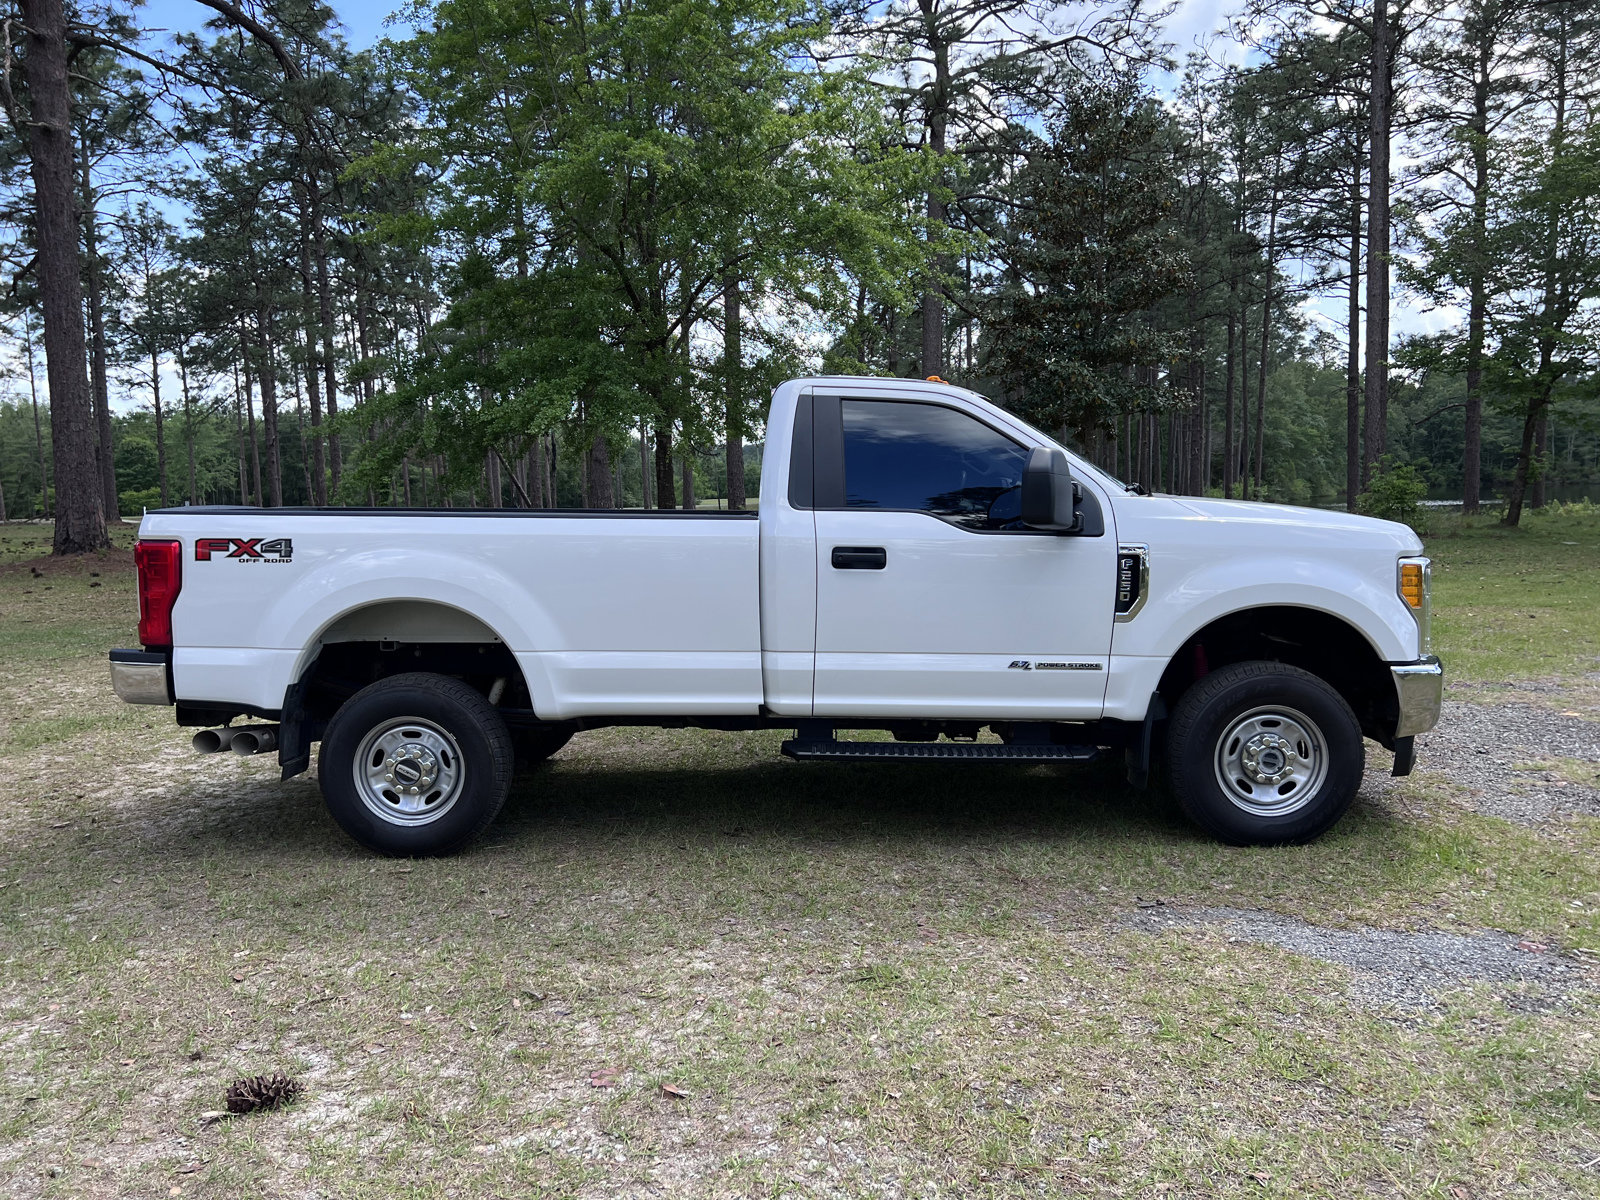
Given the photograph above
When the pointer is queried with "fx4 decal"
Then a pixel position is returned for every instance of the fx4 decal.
(244, 549)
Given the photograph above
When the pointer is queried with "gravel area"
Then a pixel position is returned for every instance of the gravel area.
(1404, 972)
(1480, 746)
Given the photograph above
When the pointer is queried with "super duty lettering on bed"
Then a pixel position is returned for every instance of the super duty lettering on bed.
(922, 564)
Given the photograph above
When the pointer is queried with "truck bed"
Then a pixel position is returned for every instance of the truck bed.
(607, 611)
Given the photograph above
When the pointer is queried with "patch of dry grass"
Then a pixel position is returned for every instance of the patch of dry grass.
(900, 981)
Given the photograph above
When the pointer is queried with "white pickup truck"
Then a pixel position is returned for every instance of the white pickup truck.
(923, 563)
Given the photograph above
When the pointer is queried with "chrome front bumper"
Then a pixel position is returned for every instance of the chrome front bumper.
(142, 676)
(1419, 688)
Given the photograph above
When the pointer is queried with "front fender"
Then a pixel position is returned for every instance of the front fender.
(1179, 607)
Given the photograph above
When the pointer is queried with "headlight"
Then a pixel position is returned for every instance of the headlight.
(1416, 588)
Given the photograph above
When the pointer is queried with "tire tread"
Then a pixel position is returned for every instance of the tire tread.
(1192, 708)
(502, 757)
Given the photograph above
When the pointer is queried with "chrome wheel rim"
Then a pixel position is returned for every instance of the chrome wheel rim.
(409, 771)
(1271, 761)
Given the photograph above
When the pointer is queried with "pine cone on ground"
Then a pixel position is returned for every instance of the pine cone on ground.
(262, 1091)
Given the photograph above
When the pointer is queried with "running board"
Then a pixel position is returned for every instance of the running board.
(958, 751)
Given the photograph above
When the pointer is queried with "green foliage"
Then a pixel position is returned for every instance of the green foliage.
(1090, 250)
(517, 226)
(135, 502)
(601, 173)
(1395, 494)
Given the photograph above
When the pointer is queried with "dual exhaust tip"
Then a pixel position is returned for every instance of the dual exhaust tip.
(244, 741)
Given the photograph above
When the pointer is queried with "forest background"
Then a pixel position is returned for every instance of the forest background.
(557, 252)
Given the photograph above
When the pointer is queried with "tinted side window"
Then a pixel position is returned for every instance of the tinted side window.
(930, 459)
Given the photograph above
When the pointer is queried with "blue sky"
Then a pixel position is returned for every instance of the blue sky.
(363, 21)
(1193, 22)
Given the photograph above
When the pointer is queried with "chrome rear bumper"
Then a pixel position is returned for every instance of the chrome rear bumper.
(1419, 688)
(142, 676)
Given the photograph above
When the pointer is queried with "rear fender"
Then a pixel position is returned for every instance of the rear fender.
(381, 576)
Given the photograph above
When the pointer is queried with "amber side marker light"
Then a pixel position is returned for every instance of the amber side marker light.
(1412, 585)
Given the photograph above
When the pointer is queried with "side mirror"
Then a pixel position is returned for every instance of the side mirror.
(1049, 495)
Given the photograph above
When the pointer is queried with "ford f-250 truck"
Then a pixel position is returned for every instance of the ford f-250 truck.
(923, 563)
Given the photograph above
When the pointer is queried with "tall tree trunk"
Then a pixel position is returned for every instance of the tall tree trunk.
(1178, 453)
(80, 488)
(553, 465)
(687, 462)
(161, 425)
(1352, 362)
(300, 432)
(601, 491)
(1246, 468)
(1266, 339)
(644, 465)
(1377, 382)
(1228, 460)
(1197, 483)
(38, 425)
(491, 476)
(269, 407)
(250, 411)
(1154, 467)
(663, 455)
(937, 119)
(316, 467)
(1530, 430)
(330, 379)
(1529, 458)
(733, 364)
(188, 425)
(1477, 282)
(519, 480)
(104, 443)
(238, 438)
(1541, 459)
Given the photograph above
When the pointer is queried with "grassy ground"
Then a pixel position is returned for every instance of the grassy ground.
(1518, 603)
(888, 982)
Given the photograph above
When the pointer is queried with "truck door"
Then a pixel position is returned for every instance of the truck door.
(932, 599)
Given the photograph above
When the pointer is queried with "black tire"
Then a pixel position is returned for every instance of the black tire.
(533, 746)
(458, 736)
(1264, 787)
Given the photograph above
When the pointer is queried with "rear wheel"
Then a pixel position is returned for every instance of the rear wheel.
(1263, 754)
(416, 764)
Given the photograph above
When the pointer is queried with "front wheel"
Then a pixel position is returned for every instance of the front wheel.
(1264, 754)
(415, 764)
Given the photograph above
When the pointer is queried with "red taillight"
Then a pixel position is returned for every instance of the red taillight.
(160, 576)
